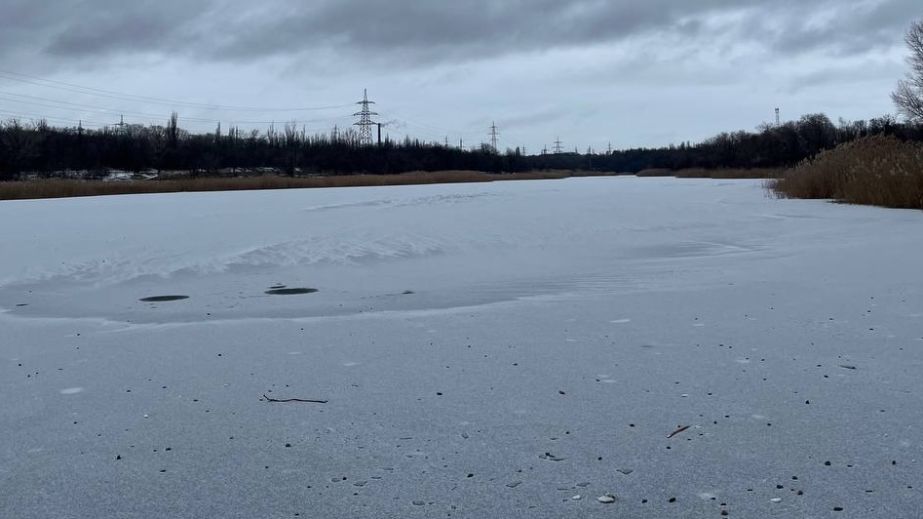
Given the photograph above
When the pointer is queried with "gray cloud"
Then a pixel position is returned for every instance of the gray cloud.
(848, 28)
(533, 118)
(411, 32)
(97, 28)
(587, 70)
(421, 32)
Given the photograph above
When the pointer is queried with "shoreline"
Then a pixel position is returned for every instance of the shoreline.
(71, 188)
(40, 189)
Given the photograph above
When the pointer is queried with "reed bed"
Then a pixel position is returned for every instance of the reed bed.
(879, 170)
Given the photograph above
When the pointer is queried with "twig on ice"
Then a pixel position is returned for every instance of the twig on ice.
(277, 400)
(681, 429)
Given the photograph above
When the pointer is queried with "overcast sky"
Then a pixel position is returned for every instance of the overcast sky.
(589, 71)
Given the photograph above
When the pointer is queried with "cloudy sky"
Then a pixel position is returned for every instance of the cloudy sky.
(587, 71)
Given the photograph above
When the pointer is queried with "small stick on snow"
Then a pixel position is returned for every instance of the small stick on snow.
(294, 400)
(681, 429)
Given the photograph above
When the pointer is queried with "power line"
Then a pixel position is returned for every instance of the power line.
(71, 87)
(173, 103)
(82, 107)
(38, 117)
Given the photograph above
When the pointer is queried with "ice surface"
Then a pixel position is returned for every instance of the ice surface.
(486, 350)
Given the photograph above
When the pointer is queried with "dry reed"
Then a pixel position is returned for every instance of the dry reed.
(879, 170)
(62, 188)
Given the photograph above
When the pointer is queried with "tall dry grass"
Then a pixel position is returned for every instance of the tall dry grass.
(879, 170)
(62, 188)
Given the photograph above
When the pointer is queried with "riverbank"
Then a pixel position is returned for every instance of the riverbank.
(66, 188)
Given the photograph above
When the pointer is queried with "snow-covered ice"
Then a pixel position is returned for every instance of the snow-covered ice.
(485, 350)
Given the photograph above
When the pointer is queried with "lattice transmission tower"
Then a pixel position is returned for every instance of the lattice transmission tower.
(494, 136)
(365, 122)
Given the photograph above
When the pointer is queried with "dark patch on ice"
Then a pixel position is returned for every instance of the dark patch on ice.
(551, 457)
(20, 305)
(277, 287)
(163, 299)
(290, 291)
(408, 292)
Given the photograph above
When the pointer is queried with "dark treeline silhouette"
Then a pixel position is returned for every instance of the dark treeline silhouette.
(39, 149)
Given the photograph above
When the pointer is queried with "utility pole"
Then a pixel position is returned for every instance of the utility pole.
(379, 133)
(558, 146)
(365, 121)
(493, 137)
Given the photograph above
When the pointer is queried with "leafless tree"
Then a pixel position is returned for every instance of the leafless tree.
(909, 94)
(19, 144)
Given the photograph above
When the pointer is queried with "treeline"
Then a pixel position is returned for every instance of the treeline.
(40, 149)
(770, 146)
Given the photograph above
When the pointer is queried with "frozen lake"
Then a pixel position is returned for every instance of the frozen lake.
(514, 349)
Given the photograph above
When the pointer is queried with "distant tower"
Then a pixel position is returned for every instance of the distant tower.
(558, 146)
(335, 136)
(494, 135)
(778, 118)
(121, 123)
(365, 122)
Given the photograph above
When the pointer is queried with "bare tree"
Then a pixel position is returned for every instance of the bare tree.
(909, 94)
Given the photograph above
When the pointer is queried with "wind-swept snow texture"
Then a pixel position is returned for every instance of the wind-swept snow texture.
(485, 350)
